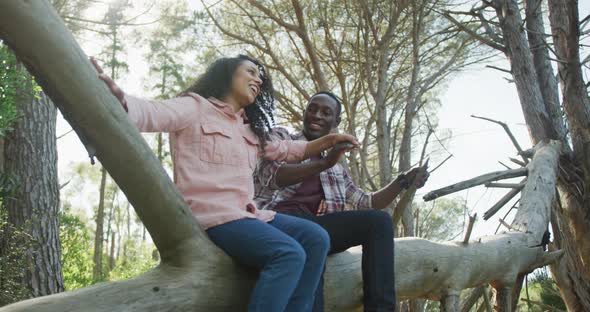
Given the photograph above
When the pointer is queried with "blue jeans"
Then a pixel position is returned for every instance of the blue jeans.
(373, 230)
(290, 253)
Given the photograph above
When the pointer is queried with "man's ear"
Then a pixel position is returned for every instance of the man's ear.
(338, 120)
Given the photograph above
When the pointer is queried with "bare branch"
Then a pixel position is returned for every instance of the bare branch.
(63, 135)
(505, 165)
(500, 69)
(471, 299)
(78, 19)
(503, 201)
(503, 185)
(469, 228)
(444, 161)
(508, 226)
(512, 138)
(475, 35)
(493, 176)
(518, 162)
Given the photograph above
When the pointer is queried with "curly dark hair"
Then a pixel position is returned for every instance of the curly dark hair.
(217, 80)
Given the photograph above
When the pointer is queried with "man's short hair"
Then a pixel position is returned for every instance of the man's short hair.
(333, 96)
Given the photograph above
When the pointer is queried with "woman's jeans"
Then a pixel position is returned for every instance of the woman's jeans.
(290, 252)
(373, 230)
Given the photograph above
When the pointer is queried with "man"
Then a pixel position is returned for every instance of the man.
(321, 190)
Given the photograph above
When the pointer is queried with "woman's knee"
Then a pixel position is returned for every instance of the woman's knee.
(293, 254)
(319, 240)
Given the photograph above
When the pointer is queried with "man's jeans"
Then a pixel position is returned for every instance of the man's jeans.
(373, 230)
(290, 252)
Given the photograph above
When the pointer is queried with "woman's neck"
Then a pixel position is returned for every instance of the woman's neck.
(232, 102)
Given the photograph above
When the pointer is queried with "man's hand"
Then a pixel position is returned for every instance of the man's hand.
(344, 138)
(115, 89)
(418, 176)
(335, 153)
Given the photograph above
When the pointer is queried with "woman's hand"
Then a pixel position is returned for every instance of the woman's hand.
(317, 146)
(336, 153)
(115, 89)
(336, 138)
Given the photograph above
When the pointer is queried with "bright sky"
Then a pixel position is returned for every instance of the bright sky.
(477, 145)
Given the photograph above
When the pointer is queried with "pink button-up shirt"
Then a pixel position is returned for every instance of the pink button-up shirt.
(214, 154)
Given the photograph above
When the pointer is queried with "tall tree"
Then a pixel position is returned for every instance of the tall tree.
(30, 154)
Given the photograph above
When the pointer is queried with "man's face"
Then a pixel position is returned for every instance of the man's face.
(320, 116)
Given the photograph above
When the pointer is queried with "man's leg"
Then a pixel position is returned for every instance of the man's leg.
(373, 230)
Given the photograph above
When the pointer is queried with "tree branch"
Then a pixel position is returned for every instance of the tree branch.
(493, 176)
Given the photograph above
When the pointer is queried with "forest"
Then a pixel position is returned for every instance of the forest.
(91, 220)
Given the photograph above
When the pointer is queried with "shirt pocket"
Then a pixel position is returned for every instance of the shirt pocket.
(216, 144)
(253, 147)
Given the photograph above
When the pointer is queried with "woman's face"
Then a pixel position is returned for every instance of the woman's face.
(246, 83)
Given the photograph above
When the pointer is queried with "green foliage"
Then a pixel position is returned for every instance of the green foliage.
(168, 45)
(441, 219)
(543, 293)
(13, 246)
(11, 78)
(139, 259)
(76, 250)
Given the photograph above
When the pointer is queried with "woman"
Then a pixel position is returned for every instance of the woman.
(219, 128)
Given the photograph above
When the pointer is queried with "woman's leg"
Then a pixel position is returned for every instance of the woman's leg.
(257, 244)
(316, 243)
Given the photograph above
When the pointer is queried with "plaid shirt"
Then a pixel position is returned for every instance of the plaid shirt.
(340, 192)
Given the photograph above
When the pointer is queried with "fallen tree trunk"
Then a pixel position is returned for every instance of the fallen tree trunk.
(196, 276)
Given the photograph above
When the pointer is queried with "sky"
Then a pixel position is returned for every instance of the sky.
(476, 145)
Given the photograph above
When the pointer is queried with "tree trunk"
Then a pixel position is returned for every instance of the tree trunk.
(30, 154)
(112, 252)
(193, 272)
(97, 273)
(564, 24)
(569, 272)
(405, 151)
(545, 76)
(525, 77)
(1, 154)
(572, 224)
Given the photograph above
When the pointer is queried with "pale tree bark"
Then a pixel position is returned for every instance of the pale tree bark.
(193, 272)
(30, 155)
